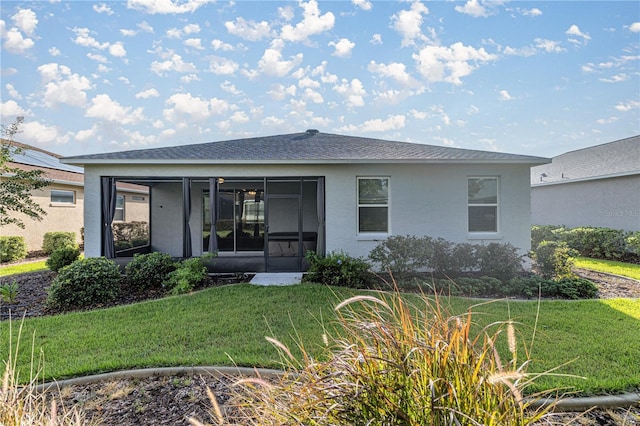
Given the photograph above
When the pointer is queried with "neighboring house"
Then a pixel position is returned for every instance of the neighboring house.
(63, 199)
(597, 186)
(267, 200)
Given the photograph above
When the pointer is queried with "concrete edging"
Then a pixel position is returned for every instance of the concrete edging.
(625, 400)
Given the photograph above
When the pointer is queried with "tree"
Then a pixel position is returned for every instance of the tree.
(16, 185)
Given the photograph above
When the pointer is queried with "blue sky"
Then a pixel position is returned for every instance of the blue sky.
(538, 78)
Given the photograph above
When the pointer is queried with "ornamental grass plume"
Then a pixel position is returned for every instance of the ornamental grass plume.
(26, 404)
(394, 362)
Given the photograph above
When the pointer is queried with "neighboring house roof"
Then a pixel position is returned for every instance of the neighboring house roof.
(613, 159)
(308, 147)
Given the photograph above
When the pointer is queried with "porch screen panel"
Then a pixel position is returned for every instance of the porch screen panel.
(213, 204)
(108, 212)
(320, 246)
(186, 208)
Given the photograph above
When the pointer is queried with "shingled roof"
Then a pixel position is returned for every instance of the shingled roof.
(308, 147)
(618, 158)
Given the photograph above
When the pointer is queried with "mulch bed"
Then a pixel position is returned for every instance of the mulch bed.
(172, 400)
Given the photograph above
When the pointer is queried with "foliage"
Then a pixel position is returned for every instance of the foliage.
(406, 255)
(9, 292)
(16, 185)
(12, 248)
(540, 233)
(62, 257)
(188, 274)
(339, 269)
(553, 259)
(55, 240)
(85, 283)
(148, 271)
(130, 234)
(566, 288)
(395, 363)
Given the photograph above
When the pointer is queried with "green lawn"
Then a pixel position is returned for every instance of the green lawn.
(21, 268)
(609, 266)
(227, 325)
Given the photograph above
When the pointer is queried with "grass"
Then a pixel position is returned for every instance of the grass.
(609, 266)
(600, 339)
(22, 268)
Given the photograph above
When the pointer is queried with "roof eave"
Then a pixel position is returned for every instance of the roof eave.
(586, 179)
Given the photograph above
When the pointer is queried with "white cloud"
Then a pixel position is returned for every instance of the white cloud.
(174, 33)
(272, 122)
(615, 79)
(574, 31)
(548, 46)
(362, 4)
(14, 42)
(376, 39)
(628, 106)
(54, 51)
(395, 70)
(525, 51)
(26, 20)
(352, 91)
(273, 64)
(473, 8)
(609, 120)
(450, 64)
(239, 117)
(532, 12)
(189, 78)
(279, 91)
(191, 29)
(164, 7)
(12, 91)
(12, 109)
(102, 8)
(128, 33)
(184, 105)
(174, 64)
(312, 23)
(194, 43)
(221, 45)
(409, 23)
(117, 49)
(229, 87)
(146, 94)
(83, 38)
(104, 108)
(37, 133)
(505, 96)
(222, 66)
(342, 48)
(144, 26)
(312, 96)
(393, 122)
(249, 30)
(635, 27)
(63, 87)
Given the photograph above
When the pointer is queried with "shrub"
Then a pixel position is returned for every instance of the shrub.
(600, 243)
(149, 271)
(12, 248)
(339, 269)
(394, 363)
(401, 255)
(566, 288)
(55, 240)
(540, 233)
(9, 292)
(84, 283)
(633, 243)
(500, 261)
(186, 276)
(553, 259)
(62, 257)
(576, 288)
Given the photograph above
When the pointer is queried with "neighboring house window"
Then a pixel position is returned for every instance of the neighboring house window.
(373, 205)
(63, 197)
(119, 215)
(483, 204)
(137, 198)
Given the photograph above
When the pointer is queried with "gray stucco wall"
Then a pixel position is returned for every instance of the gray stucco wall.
(610, 203)
(425, 199)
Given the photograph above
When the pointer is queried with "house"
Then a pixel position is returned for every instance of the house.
(261, 203)
(596, 186)
(63, 198)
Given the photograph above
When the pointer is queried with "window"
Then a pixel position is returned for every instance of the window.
(137, 198)
(119, 214)
(63, 197)
(483, 204)
(373, 205)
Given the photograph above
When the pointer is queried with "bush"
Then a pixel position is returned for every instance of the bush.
(395, 363)
(85, 283)
(500, 261)
(553, 259)
(130, 234)
(401, 255)
(540, 233)
(55, 240)
(62, 257)
(599, 243)
(149, 271)
(12, 248)
(186, 276)
(339, 269)
(9, 292)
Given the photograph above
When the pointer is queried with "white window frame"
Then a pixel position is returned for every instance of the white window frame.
(63, 193)
(387, 205)
(496, 205)
(124, 200)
